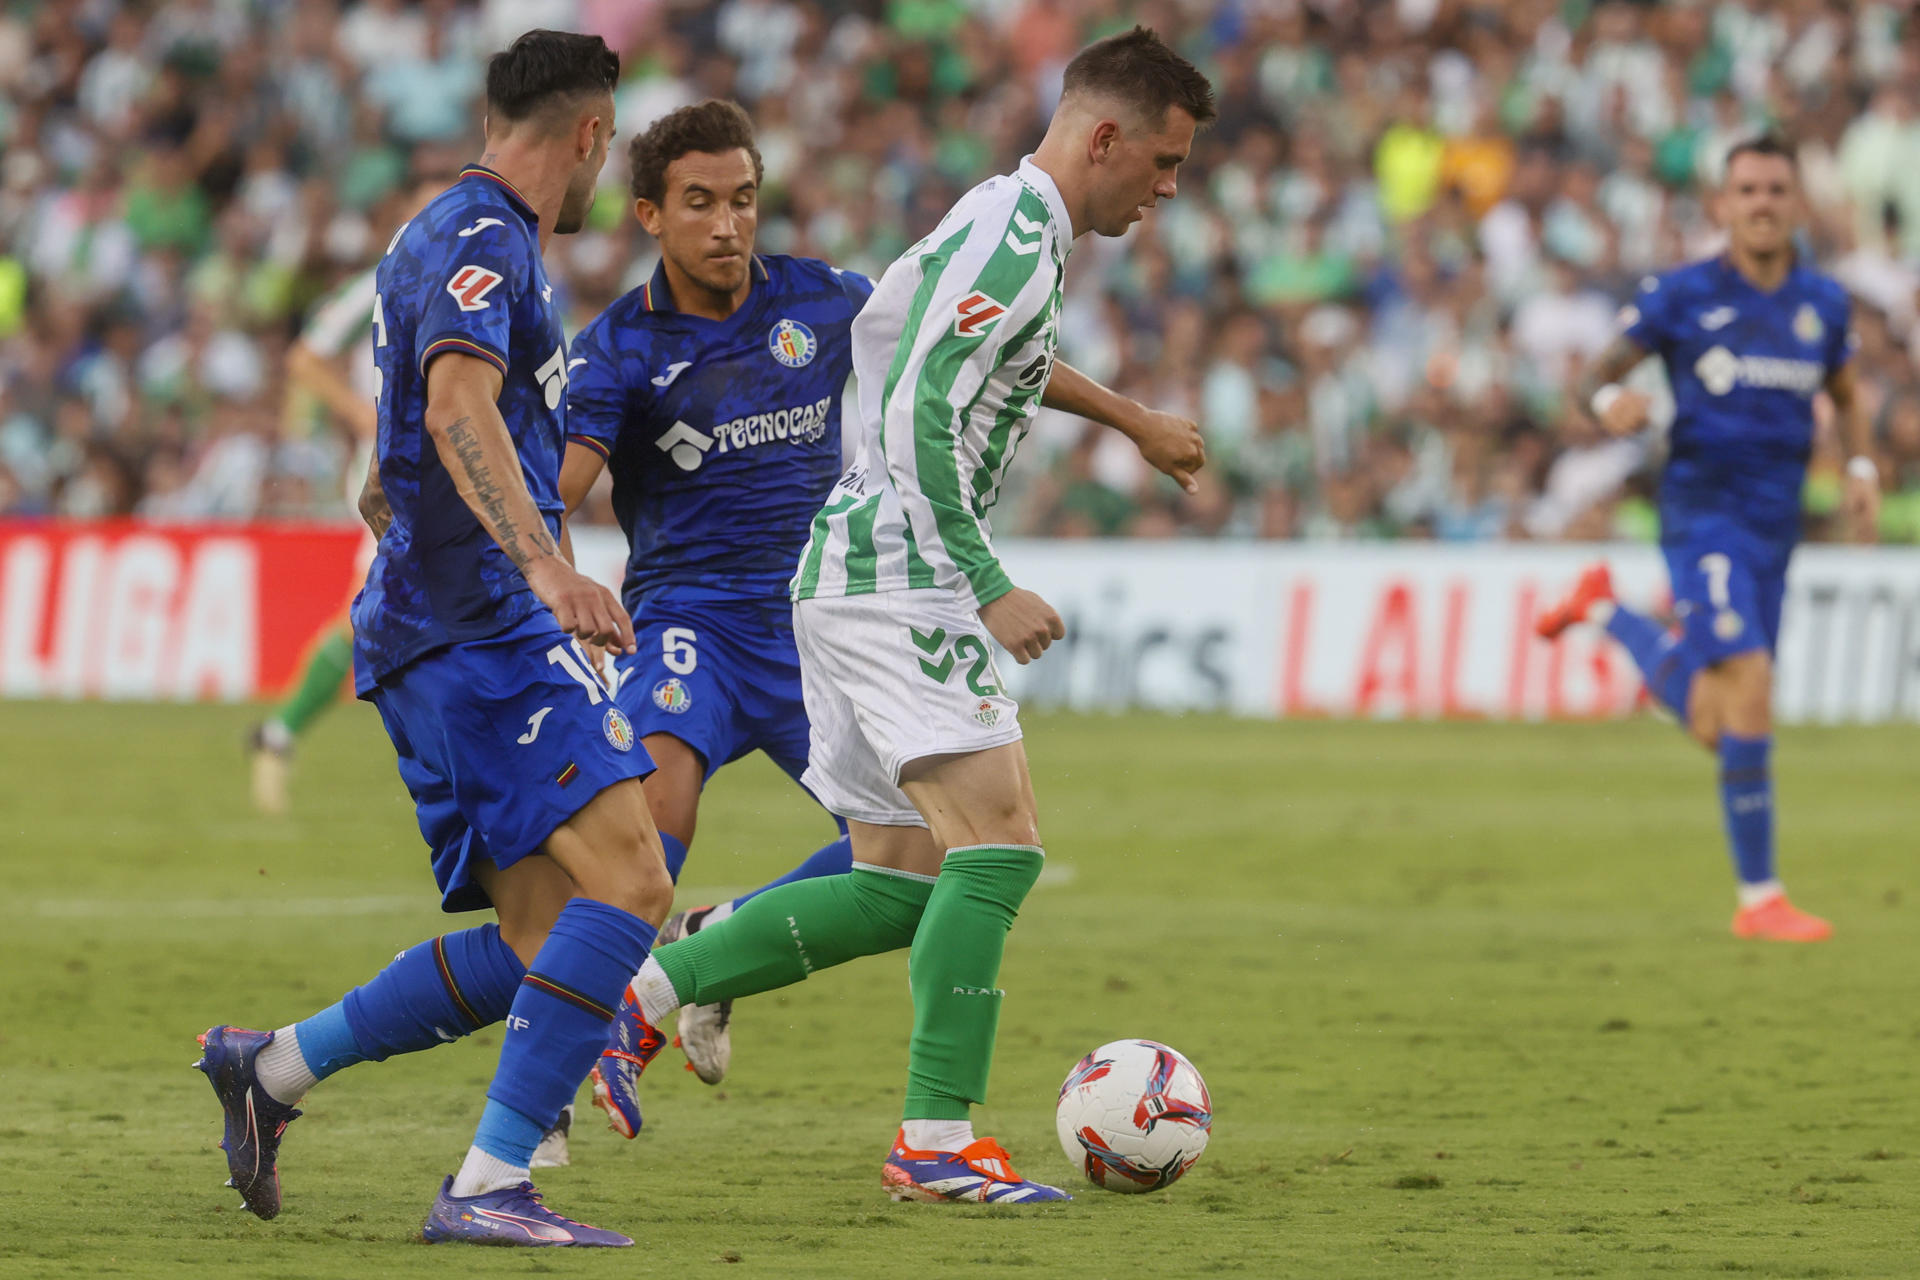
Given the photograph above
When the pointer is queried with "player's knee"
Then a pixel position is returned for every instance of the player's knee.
(1010, 821)
(635, 879)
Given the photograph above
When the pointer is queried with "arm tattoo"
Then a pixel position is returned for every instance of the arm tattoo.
(374, 508)
(1613, 364)
(521, 547)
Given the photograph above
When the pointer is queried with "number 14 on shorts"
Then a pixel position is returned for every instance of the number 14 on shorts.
(943, 656)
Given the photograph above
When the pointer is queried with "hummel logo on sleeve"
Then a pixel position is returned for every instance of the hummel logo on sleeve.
(480, 226)
(1025, 227)
(471, 285)
(976, 314)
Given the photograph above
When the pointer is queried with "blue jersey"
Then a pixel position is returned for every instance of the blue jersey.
(1744, 366)
(463, 276)
(723, 437)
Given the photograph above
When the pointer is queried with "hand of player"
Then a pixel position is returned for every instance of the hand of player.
(1172, 445)
(1861, 503)
(600, 659)
(1627, 415)
(1024, 624)
(582, 607)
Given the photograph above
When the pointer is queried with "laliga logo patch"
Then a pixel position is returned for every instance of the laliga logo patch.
(618, 728)
(1807, 326)
(792, 343)
(671, 696)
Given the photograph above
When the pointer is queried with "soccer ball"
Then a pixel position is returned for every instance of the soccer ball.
(1134, 1115)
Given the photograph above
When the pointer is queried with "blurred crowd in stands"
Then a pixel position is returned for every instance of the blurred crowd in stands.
(1412, 222)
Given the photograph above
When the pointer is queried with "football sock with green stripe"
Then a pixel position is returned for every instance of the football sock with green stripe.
(955, 970)
(432, 993)
(327, 667)
(787, 933)
(555, 1031)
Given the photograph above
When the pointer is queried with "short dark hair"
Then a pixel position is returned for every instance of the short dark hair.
(713, 126)
(1139, 67)
(543, 67)
(1765, 144)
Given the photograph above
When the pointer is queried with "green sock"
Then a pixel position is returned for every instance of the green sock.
(319, 685)
(784, 934)
(953, 969)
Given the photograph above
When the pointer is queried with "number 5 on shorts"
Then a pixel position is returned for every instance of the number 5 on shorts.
(677, 651)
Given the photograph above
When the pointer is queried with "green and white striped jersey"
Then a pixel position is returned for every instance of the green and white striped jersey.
(950, 356)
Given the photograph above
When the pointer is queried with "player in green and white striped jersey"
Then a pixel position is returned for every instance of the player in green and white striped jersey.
(914, 741)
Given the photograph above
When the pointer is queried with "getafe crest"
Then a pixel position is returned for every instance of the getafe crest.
(792, 343)
(1807, 326)
(672, 696)
(618, 728)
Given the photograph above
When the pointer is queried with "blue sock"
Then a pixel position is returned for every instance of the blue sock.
(558, 1023)
(1746, 798)
(834, 859)
(1656, 651)
(432, 993)
(676, 855)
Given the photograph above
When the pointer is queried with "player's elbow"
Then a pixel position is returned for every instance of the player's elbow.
(442, 416)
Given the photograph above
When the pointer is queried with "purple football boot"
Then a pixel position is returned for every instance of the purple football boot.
(632, 1043)
(254, 1119)
(510, 1216)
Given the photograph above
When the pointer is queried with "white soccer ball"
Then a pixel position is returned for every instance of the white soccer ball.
(1134, 1115)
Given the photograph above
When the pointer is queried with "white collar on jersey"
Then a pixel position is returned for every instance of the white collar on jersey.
(1044, 186)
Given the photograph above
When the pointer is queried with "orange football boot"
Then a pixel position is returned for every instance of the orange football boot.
(1777, 920)
(1595, 585)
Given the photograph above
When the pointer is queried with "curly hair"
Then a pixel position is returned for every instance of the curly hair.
(712, 126)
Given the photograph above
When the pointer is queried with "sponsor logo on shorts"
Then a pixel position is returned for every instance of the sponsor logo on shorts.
(618, 728)
(672, 695)
(986, 713)
(792, 343)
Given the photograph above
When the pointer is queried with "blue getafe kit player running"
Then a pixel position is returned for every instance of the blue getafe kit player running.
(1748, 339)
(524, 773)
(713, 394)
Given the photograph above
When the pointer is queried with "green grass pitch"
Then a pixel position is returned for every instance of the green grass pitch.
(1463, 993)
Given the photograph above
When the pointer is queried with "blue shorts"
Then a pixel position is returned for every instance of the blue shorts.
(721, 676)
(502, 740)
(1727, 592)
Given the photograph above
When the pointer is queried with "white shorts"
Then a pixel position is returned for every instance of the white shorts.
(889, 679)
